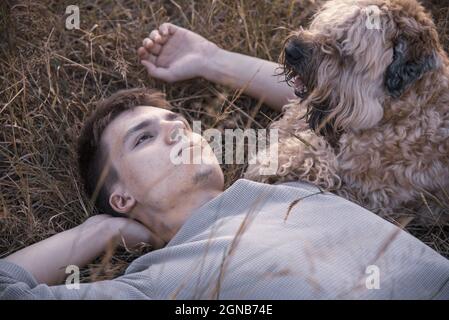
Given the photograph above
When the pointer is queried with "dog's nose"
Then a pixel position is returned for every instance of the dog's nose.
(294, 51)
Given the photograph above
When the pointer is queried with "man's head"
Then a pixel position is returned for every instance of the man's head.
(126, 157)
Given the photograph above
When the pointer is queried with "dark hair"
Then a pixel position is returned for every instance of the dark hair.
(96, 172)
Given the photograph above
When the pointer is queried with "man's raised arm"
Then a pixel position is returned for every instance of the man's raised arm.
(47, 260)
(172, 53)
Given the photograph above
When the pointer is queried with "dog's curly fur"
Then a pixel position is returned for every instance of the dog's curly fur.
(374, 126)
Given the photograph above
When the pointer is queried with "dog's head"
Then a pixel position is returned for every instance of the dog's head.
(355, 55)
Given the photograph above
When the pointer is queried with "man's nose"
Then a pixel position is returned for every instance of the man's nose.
(175, 131)
(295, 50)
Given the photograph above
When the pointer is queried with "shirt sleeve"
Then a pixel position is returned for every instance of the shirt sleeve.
(17, 283)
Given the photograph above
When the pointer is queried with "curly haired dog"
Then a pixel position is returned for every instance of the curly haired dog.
(372, 119)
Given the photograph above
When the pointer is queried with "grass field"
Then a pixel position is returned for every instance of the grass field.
(51, 78)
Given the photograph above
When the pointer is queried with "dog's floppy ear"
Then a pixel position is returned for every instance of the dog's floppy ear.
(416, 48)
(408, 65)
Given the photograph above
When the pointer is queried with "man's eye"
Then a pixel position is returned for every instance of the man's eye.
(142, 138)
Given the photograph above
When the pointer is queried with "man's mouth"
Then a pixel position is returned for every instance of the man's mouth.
(300, 88)
(187, 147)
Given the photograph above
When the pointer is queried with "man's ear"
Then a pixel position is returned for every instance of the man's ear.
(121, 201)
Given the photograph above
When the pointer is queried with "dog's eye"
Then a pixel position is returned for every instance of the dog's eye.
(332, 48)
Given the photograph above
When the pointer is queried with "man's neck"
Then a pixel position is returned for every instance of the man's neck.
(165, 224)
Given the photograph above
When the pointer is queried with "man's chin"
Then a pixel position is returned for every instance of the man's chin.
(208, 173)
(202, 175)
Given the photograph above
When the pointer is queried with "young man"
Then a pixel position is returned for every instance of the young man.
(251, 241)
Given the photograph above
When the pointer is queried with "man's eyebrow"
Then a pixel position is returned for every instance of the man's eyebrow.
(138, 127)
(172, 113)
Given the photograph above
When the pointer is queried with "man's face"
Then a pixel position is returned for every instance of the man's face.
(141, 142)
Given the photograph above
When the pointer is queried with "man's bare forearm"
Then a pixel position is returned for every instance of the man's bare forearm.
(258, 77)
(47, 260)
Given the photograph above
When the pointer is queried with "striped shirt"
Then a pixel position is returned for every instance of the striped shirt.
(260, 241)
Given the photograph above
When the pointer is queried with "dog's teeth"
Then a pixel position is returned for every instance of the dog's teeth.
(300, 87)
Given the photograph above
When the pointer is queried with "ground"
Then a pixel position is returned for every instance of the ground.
(51, 78)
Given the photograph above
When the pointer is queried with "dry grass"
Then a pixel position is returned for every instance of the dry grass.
(51, 77)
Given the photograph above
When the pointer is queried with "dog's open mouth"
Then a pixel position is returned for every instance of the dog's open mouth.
(300, 88)
(293, 79)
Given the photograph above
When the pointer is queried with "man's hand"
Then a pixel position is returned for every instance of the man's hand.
(130, 231)
(172, 53)
(47, 259)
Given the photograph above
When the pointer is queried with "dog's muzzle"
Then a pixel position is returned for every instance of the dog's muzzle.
(296, 56)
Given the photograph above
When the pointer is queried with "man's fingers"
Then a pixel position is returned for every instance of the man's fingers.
(159, 73)
(142, 53)
(156, 49)
(167, 29)
(160, 36)
(155, 36)
(145, 55)
(163, 29)
(151, 46)
(148, 43)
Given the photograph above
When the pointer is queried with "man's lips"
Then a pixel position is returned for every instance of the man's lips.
(187, 147)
